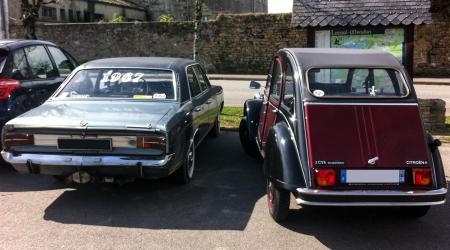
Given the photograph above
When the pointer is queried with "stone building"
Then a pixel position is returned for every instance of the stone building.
(82, 11)
(183, 10)
(382, 24)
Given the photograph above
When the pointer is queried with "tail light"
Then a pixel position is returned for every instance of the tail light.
(17, 139)
(325, 177)
(148, 142)
(7, 86)
(422, 177)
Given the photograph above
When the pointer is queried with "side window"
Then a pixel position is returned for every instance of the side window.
(203, 81)
(288, 97)
(19, 70)
(277, 78)
(40, 63)
(64, 65)
(193, 83)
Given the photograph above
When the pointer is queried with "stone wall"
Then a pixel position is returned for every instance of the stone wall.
(239, 44)
(432, 45)
(433, 114)
(231, 44)
(244, 44)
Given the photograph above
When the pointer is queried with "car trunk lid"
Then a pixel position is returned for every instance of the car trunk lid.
(382, 136)
(117, 115)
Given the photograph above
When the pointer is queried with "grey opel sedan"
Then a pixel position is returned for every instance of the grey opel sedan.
(118, 119)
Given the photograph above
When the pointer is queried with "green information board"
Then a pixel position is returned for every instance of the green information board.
(391, 40)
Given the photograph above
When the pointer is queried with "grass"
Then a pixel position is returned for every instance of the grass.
(231, 117)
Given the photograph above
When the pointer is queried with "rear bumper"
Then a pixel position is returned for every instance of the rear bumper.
(96, 165)
(315, 197)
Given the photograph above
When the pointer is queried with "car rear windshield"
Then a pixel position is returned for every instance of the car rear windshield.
(356, 83)
(144, 84)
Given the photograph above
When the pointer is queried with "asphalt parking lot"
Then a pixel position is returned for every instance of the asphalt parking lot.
(223, 208)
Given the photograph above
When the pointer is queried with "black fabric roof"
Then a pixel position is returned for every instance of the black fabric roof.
(322, 13)
(345, 58)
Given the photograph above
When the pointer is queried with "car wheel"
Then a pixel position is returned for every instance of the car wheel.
(215, 131)
(278, 201)
(185, 173)
(247, 143)
(414, 212)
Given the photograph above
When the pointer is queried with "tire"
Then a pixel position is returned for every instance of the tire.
(215, 131)
(414, 212)
(247, 143)
(185, 173)
(278, 201)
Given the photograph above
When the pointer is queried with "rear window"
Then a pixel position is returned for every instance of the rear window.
(120, 83)
(356, 83)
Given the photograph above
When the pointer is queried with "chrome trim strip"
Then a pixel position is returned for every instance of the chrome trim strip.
(78, 160)
(370, 193)
(368, 204)
(318, 192)
(360, 104)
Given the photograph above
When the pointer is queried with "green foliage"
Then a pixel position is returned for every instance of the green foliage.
(231, 117)
(117, 19)
(165, 18)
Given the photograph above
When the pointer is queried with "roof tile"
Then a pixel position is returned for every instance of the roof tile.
(360, 12)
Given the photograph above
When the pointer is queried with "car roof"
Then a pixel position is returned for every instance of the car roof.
(15, 44)
(140, 62)
(337, 57)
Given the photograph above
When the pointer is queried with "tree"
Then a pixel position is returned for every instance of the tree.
(30, 14)
(197, 27)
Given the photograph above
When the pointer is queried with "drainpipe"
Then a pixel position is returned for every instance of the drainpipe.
(4, 19)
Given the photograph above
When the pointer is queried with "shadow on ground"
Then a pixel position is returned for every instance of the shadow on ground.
(222, 196)
(11, 181)
(373, 228)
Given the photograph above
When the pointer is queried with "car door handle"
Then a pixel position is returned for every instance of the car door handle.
(198, 109)
(209, 101)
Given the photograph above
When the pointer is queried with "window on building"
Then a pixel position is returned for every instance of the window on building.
(79, 19)
(62, 14)
(71, 17)
(98, 17)
(48, 12)
(87, 16)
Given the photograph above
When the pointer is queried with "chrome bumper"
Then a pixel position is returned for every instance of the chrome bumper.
(315, 197)
(77, 160)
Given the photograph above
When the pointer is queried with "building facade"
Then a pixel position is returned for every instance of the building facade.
(83, 11)
(183, 10)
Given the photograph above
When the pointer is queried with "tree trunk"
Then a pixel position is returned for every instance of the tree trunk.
(197, 27)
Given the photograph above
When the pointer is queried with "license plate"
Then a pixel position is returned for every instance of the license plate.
(84, 144)
(372, 176)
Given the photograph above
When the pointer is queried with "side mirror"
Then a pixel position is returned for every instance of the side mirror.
(255, 85)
